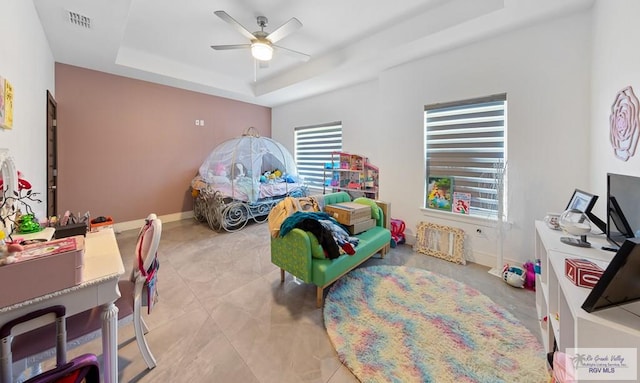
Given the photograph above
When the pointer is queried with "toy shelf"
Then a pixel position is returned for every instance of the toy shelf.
(352, 173)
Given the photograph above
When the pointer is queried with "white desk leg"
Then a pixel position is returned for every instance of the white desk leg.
(110, 342)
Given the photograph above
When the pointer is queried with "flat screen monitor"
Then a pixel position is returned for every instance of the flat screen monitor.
(623, 207)
(620, 282)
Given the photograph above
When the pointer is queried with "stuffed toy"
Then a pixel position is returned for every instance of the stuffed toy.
(530, 276)
(220, 170)
(513, 275)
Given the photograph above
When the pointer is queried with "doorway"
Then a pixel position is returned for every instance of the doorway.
(52, 156)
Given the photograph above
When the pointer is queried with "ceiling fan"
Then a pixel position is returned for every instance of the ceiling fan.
(262, 43)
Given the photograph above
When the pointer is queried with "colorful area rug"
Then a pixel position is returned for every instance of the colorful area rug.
(401, 324)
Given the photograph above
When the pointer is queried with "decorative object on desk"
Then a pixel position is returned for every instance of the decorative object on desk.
(584, 201)
(6, 104)
(22, 183)
(12, 203)
(575, 222)
(552, 220)
(28, 224)
(440, 241)
(439, 193)
(581, 200)
(514, 276)
(397, 323)
(100, 223)
(624, 129)
(582, 272)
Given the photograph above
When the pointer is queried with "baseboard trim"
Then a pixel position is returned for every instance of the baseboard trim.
(136, 224)
(479, 257)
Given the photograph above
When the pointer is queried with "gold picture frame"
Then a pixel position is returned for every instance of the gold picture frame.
(6, 104)
(441, 241)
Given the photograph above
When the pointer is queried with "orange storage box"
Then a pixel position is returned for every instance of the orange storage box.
(97, 226)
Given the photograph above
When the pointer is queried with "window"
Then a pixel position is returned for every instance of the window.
(466, 141)
(313, 148)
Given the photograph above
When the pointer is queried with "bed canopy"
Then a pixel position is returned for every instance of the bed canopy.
(247, 164)
(243, 178)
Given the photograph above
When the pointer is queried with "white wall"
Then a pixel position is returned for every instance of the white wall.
(616, 65)
(26, 61)
(545, 72)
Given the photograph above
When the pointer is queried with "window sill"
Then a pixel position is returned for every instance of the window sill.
(468, 219)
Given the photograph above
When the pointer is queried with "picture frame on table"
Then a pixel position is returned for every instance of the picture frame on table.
(582, 201)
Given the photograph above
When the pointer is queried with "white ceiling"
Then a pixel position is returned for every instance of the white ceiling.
(349, 41)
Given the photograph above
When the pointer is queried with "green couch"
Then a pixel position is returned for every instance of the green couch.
(299, 253)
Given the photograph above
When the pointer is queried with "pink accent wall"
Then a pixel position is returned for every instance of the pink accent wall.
(127, 148)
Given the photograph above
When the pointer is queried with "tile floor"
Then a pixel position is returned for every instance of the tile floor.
(224, 316)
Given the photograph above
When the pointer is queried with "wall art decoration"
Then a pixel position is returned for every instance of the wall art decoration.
(6, 104)
(624, 124)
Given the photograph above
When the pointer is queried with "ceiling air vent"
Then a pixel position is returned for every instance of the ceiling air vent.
(79, 20)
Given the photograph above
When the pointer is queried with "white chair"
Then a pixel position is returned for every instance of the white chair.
(140, 289)
(136, 292)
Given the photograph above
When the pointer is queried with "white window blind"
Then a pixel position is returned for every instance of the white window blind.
(466, 141)
(313, 148)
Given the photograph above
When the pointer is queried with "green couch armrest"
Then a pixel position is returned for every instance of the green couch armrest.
(292, 253)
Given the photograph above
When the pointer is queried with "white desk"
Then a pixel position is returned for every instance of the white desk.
(102, 269)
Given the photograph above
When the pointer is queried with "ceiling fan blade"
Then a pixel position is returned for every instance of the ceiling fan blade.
(284, 30)
(290, 52)
(225, 16)
(229, 47)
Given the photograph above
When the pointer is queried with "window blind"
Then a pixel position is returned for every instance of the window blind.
(313, 148)
(466, 141)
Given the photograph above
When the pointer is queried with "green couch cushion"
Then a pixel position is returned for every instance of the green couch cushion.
(375, 214)
(337, 197)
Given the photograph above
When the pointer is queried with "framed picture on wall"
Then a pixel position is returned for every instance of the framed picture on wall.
(581, 200)
(6, 104)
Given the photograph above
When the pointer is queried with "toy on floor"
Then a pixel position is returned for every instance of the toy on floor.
(397, 232)
(514, 275)
(530, 276)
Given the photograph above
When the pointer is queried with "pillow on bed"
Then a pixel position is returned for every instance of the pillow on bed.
(375, 213)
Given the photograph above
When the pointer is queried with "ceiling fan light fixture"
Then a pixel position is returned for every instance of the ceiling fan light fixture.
(261, 51)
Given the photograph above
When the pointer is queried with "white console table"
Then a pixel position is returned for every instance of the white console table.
(558, 299)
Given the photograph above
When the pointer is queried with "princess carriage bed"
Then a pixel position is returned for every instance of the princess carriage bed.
(242, 179)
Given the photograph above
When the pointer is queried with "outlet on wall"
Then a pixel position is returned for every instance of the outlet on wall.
(197, 122)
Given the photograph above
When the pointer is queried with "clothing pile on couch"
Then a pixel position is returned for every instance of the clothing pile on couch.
(305, 214)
